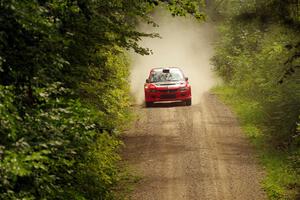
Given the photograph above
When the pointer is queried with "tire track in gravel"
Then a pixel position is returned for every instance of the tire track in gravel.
(192, 153)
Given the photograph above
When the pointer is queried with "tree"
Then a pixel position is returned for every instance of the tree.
(63, 97)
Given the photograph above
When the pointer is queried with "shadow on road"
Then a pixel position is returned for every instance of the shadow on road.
(166, 105)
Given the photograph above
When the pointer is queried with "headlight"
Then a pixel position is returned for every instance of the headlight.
(152, 91)
(183, 89)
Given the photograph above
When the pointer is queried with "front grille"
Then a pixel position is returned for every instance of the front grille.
(163, 84)
(169, 91)
(168, 96)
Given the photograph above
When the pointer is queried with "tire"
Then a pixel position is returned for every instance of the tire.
(148, 104)
(188, 102)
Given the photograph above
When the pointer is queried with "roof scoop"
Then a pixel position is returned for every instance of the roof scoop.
(166, 70)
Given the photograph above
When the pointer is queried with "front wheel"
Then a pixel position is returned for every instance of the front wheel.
(148, 104)
(188, 102)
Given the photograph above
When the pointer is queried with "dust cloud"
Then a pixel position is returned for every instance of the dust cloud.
(185, 43)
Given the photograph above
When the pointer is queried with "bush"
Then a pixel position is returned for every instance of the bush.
(258, 57)
(253, 61)
(64, 93)
(50, 153)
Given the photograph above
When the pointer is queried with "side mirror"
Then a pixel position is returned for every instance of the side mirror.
(147, 81)
(186, 78)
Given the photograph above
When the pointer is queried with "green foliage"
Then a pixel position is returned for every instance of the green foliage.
(66, 34)
(109, 96)
(182, 7)
(282, 181)
(64, 93)
(48, 164)
(258, 57)
(282, 167)
(253, 56)
(98, 173)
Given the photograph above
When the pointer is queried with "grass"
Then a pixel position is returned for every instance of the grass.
(129, 178)
(282, 181)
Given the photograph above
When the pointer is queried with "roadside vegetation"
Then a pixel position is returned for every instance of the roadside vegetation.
(258, 57)
(64, 93)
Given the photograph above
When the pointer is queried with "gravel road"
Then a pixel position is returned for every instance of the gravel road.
(194, 153)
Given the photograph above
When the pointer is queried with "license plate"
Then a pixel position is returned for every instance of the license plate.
(168, 96)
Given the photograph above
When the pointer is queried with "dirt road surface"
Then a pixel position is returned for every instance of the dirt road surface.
(194, 153)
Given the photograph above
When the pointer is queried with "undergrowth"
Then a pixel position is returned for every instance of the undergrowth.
(282, 179)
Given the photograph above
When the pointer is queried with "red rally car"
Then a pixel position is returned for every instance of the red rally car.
(167, 85)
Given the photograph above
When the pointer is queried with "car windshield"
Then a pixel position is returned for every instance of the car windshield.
(171, 75)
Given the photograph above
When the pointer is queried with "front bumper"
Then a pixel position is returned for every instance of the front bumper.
(158, 96)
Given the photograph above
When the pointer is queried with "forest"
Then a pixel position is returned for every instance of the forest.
(65, 97)
(258, 57)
